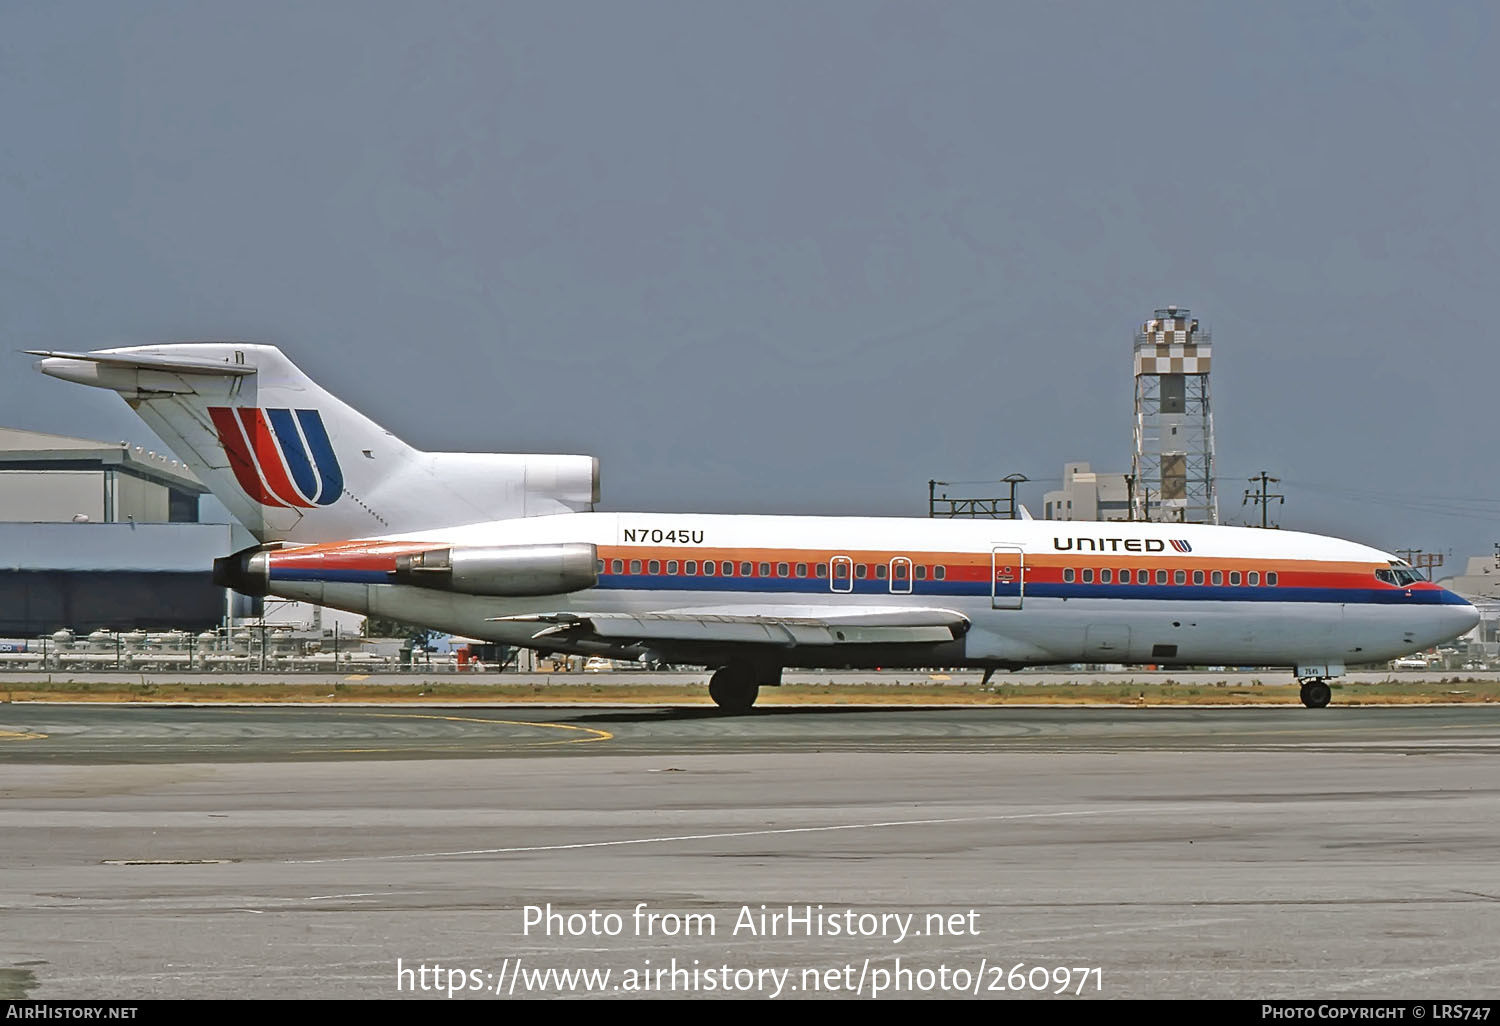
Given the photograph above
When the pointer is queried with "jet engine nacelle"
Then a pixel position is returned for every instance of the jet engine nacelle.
(502, 570)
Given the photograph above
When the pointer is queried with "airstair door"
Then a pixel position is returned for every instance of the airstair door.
(1007, 576)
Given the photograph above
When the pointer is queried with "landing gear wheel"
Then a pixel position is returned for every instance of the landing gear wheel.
(1316, 693)
(732, 690)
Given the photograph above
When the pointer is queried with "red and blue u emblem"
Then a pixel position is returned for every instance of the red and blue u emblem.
(280, 457)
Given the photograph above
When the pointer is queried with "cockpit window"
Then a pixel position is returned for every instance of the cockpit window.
(1399, 576)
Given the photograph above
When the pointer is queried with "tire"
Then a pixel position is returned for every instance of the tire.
(1316, 694)
(733, 691)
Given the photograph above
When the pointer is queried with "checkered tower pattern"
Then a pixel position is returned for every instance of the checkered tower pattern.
(1173, 464)
(1169, 345)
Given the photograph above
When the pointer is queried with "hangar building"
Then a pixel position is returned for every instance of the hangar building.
(102, 535)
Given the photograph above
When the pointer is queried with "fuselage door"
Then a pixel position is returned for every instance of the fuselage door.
(841, 574)
(900, 576)
(1007, 576)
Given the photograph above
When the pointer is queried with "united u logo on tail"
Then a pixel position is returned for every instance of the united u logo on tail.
(280, 457)
(1181, 546)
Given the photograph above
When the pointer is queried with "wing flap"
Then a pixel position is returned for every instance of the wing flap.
(843, 627)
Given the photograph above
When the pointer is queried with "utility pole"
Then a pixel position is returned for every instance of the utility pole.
(1421, 560)
(1013, 480)
(1130, 497)
(994, 507)
(1263, 496)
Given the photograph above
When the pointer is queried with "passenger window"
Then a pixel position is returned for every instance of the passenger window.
(598, 566)
(1088, 576)
(1106, 576)
(618, 567)
(708, 568)
(921, 572)
(822, 570)
(1068, 575)
(1143, 577)
(1179, 577)
(1234, 577)
(690, 567)
(635, 566)
(1218, 577)
(898, 571)
(801, 569)
(765, 570)
(1271, 579)
(781, 570)
(939, 573)
(860, 570)
(841, 571)
(1161, 577)
(654, 567)
(672, 567)
(880, 571)
(745, 569)
(1197, 576)
(726, 568)
(1253, 577)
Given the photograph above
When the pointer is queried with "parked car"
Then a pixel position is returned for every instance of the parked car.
(1409, 663)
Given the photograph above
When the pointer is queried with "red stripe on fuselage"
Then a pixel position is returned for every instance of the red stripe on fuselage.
(376, 556)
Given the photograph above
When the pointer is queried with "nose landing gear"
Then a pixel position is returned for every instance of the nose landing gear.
(1316, 693)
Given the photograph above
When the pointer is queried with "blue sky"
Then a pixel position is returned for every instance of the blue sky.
(788, 257)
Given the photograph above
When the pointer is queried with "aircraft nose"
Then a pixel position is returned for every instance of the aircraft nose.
(1459, 616)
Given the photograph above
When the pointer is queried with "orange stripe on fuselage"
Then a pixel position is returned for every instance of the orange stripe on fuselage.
(958, 566)
(1042, 567)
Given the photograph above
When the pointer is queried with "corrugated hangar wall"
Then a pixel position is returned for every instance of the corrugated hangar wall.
(41, 601)
(114, 576)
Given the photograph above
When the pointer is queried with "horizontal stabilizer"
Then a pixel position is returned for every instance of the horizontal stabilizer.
(141, 361)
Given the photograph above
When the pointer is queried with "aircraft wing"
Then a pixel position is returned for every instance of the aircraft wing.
(782, 628)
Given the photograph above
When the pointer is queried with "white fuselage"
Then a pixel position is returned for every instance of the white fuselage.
(1034, 592)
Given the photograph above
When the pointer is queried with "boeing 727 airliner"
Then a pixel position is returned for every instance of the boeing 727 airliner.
(508, 548)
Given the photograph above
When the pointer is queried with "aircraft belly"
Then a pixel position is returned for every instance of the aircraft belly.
(1045, 631)
(1143, 631)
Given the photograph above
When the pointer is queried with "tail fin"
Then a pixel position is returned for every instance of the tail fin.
(293, 463)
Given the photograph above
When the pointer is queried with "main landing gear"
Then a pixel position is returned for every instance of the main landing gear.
(734, 688)
(1316, 693)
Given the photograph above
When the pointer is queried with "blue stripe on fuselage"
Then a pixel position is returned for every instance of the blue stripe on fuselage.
(332, 576)
(955, 589)
(981, 589)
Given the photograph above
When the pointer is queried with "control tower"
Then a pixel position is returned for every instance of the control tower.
(1173, 466)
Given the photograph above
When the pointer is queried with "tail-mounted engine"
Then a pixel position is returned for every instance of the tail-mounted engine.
(502, 570)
